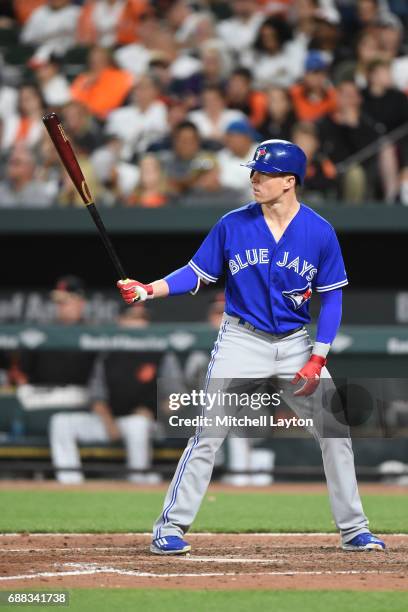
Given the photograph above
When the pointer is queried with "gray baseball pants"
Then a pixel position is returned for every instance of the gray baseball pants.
(242, 353)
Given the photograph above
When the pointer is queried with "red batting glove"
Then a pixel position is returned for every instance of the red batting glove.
(132, 291)
(311, 374)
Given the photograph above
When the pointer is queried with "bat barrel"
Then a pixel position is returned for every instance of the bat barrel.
(68, 158)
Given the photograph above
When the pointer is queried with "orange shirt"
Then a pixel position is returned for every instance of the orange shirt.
(307, 109)
(86, 31)
(130, 19)
(258, 103)
(328, 169)
(24, 8)
(23, 129)
(105, 93)
(147, 200)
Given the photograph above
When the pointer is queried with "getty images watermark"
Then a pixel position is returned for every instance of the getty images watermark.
(248, 408)
(225, 400)
(361, 407)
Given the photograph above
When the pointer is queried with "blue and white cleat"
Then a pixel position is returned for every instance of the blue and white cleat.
(170, 545)
(364, 541)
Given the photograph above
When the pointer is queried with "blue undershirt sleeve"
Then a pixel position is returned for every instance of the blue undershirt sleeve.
(183, 280)
(330, 315)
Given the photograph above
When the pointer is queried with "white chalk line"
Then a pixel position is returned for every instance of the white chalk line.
(229, 560)
(179, 559)
(82, 569)
(130, 550)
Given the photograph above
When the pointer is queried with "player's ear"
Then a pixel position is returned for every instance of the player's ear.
(290, 181)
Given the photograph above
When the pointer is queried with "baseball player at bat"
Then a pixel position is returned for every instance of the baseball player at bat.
(275, 252)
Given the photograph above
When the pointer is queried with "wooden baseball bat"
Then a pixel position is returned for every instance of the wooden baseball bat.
(68, 158)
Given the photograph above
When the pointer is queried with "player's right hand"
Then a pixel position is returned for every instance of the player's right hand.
(133, 291)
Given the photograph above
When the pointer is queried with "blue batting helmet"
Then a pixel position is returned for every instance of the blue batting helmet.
(279, 156)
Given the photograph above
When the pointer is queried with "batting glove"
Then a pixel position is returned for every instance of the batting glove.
(132, 291)
(310, 373)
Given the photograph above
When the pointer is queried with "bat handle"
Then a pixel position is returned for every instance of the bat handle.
(106, 241)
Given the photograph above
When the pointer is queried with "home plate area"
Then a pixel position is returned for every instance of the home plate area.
(258, 561)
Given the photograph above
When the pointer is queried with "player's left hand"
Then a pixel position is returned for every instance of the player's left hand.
(310, 373)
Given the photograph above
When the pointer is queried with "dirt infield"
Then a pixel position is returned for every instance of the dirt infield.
(232, 561)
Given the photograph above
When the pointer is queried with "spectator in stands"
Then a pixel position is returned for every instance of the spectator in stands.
(52, 27)
(203, 31)
(160, 69)
(191, 172)
(136, 56)
(152, 37)
(320, 183)
(151, 190)
(82, 126)
(103, 87)
(367, 50)
(52, 83)
(133, 16)
(388, 107)
(390, 33)
(240, 144)
(190, 76)
(368, 12)
(142, 121)
(213, 118)
(314, 97)
(118, 178)
(364, 15)
(49, 169)
(8, 97)
(20, 188)
(26, 125)
(216, 62)
(98, 22)
(176, 113)
(343, 134)
(274, 58)
(303, 14)
(280, 116)
(123, 405)
(240, 95)
(24, 8)
(239, 31)
(189, 27)
(327, 35)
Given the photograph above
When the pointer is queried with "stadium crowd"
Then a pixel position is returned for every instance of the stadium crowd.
(164, 99)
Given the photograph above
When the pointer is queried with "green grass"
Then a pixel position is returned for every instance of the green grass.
(125, 600)
(122, 511)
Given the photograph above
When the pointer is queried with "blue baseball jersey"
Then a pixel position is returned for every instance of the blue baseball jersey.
(269, 283)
